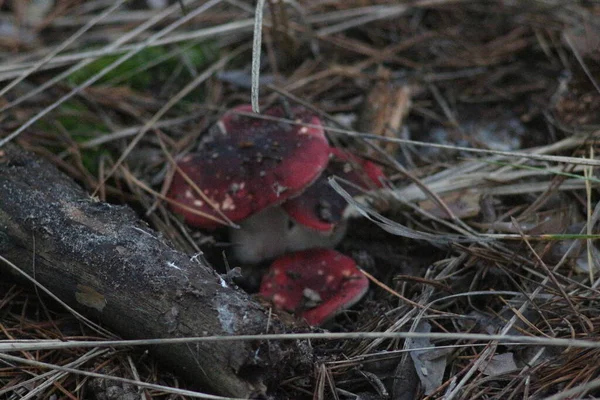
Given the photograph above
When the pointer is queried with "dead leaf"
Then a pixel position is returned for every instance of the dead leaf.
(499, 364)
(429, 364)
(385, 108)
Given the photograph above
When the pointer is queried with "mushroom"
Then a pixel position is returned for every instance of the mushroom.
(312, 219)
(246, 165)
(318, 211)
(316, 284)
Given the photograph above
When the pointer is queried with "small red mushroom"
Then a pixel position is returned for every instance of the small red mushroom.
(312, 219)
(319, 210)
(316, 284)
(246, 165)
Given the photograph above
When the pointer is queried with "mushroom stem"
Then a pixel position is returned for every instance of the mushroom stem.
(271, 233)
(262, 236)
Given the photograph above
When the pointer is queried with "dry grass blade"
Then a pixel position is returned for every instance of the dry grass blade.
(50, 377)
(162, 388)
(174, 100)
(62, 46)
(109, 68)
(509, 154)
(256, 49)
(31, 345)
(394, 227)
(83, 319)
(87, 59)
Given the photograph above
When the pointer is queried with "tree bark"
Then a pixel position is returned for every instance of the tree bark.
(102, 260)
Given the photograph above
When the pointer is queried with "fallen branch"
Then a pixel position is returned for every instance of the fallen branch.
(102, 260)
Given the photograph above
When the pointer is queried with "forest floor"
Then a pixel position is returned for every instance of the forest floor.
(483, 115)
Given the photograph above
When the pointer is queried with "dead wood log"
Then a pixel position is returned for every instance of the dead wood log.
(102, 260)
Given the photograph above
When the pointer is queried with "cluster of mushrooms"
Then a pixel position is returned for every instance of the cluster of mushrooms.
(267, 180)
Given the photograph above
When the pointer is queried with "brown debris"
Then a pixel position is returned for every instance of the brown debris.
(384, 109)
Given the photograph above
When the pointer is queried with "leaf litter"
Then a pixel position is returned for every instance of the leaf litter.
(485, 119)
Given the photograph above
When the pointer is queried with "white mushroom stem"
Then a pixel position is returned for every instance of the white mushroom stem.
(260, 237)
(271, 233)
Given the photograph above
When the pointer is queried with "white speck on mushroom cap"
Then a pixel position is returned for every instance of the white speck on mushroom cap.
(278, 188)
(228, 203)
(312, 296)
(198, 203)
(279, 300)
(189, 194)
(236, 187)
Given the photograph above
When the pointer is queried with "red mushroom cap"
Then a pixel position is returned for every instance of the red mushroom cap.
(320, 207)
(315, 283)
(247, 164)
